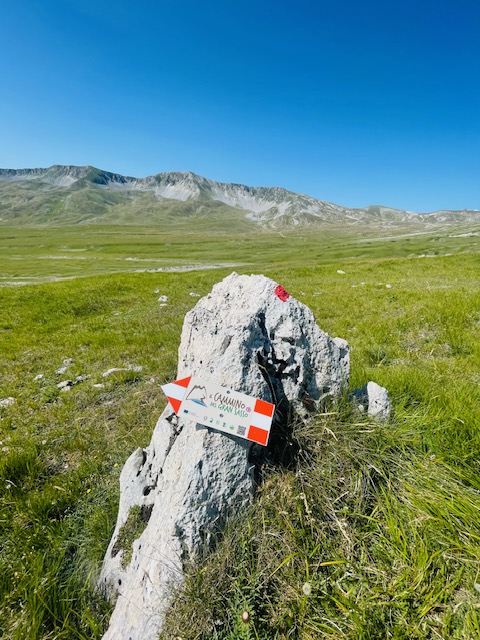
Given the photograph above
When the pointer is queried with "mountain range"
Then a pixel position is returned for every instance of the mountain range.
(61, 195)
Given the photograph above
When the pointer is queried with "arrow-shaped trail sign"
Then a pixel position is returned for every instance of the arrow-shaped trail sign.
(221, 408)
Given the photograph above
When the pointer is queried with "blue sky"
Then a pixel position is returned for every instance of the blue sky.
(358, 103)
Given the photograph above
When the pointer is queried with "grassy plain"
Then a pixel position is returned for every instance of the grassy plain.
(376, 532)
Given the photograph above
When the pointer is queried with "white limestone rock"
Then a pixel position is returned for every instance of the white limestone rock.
(67, 362)
(137, 368)
(65, 385)
(344, 356)
(373, 399)
(247, 334)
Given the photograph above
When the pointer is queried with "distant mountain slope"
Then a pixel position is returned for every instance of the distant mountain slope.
(71, 195)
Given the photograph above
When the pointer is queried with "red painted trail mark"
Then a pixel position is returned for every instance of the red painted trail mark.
(281, 293)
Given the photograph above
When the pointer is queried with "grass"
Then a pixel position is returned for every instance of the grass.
(133, 528)
(375, 532)
(38, 255)
(365, 538)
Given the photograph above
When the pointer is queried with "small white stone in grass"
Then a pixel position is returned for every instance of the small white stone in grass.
(307, 589)
(7, 402)
(44, 442)
(105, 374)
(68, 361)
(98, 386)
(163, 299)
(157, 291)
(40, 376)
(136, 368)
(245, 616)
(194, 295)
(476, 586)
(388, 286)
(65, 385)
(163, 304)
(61, 370)
(342, 273)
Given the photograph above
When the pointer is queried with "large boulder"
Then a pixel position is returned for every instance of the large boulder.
(247, 334)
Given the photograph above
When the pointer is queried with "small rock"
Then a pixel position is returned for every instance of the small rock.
(163, 304)
(157, 291)
(194, 295)
(98, 386)
(65, 385)
(40, 376)
(7, 402)
(342, 273)
(375, 399)
(66, 363)
(82, 377)
(136, 368)
(388, 286)
(109, 372)
(163, 299)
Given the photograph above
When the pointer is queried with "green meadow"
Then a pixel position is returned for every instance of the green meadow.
(373, 533)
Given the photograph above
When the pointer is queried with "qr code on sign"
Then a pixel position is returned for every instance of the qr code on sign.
(241, 430)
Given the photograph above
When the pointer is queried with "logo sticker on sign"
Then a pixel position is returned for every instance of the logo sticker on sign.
(221, 408)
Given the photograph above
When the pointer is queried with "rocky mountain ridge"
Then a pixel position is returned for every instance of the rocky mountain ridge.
(63, 193)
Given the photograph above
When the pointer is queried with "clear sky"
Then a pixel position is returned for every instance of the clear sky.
(355, 102)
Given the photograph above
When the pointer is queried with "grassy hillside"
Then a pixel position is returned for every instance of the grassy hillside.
(33, 203)
(71, 195)
(374, 533)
